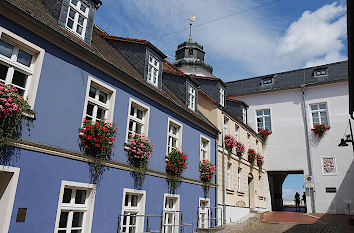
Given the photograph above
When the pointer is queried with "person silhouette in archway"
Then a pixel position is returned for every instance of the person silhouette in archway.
(297, 201)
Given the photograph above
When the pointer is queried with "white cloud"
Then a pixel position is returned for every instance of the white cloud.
(253, 43)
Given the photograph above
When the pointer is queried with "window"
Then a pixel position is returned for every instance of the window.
(76, 20)
(328, 165)
(226, 125)
(257, 146)
(174, 135)
(319, 114)
(237, 132)
(266, 81)
(248, 141)
(170, 213)
(263, 119)
(320, 72)
(133, 206)
(229, 176)
(239, 180)
(138, 118)
(191, 97)
(20, 64)
(99, 101)
(204, 148)
(260, 187)
(75, 208)
(204, 212)
(153, 71)
(244, 115)
(222, 96)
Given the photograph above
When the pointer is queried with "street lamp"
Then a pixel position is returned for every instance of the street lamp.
(348, 137)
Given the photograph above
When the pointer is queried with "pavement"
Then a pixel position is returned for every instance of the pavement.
(291, 222)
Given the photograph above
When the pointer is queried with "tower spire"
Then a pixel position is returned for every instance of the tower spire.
(191, 21)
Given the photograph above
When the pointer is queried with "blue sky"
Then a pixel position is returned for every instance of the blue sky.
(292, 184)
(278, 37)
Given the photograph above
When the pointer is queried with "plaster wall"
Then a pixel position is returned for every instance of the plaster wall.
(285, 149)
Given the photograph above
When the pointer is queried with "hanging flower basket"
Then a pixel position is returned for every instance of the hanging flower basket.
(176, 162)
(207, 171)
(12, 109)
(264, 133)
(96, 141)
(252, 156)
(229, 142)
(260, 161)
(139, 150)
(319, 129)
(240, 148)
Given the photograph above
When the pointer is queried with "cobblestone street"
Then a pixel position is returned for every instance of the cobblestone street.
(255, 225)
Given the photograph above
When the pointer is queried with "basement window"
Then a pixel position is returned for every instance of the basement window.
(266, 81)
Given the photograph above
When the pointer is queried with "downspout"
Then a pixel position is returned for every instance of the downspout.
(309, 162)
(216, 179)
(223, 179)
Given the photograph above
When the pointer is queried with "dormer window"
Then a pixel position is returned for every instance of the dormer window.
(266, 81)
(191, 97)
(320, 72)
(153, 71)
(222, 96)
(76, 20)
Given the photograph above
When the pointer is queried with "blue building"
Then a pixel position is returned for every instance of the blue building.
(69, 69)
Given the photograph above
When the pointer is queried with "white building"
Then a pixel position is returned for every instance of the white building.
(289, 104)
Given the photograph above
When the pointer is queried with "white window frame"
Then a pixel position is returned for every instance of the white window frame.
(178, 137)
(226, 125)
(78, 12)
(229, 178)
(33, 72)
(8, 197)
(335, 165)
(237, 132)
(320, 70)
(88, 207)
(191, 97)
(203, 222)
(222, 96)
(202, 149)
(319, 114)
(244, 115)
(239, 179)
(144, 122)
(152, 67)
(249, 141)
(176, 215)
(139, 209)
(111, 99)
(263, 116)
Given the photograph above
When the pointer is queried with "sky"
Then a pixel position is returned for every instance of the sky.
(292, 184)
(282, 35)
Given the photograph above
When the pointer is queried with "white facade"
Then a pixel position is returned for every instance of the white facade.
(286, 147)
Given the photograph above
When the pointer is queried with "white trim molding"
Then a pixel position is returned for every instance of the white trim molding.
(110, 101)
(144, 122)
(33, 70)
(74, 205)
(9, 193)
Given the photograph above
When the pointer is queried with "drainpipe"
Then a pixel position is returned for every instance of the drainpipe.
(223, 179)
(216, 178)
(309, 161)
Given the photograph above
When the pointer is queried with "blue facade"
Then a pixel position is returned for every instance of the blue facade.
(59, 109)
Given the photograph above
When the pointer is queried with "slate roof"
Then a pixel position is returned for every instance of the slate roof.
(99, 47)
(291, 79)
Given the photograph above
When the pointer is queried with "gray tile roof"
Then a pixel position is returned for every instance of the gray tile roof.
(291, 79)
